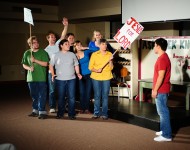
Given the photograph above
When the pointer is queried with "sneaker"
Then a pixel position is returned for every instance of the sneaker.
(42, 116)
(33, 114)
(95, 117)
(52, 110)
(59, 117)
(104, 118)
(159, 133)
(162, 139)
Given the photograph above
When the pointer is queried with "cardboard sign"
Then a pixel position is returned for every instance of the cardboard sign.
(28, 16)
(128, 33)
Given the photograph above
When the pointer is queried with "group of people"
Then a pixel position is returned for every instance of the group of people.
(68, 61)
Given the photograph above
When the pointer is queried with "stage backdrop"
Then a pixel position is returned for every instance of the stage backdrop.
(178, 51)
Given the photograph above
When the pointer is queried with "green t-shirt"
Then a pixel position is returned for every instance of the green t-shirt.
(39, 73)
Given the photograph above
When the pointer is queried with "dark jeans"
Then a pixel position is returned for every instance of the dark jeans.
(38, 92)
(85, 87)
(66, 88)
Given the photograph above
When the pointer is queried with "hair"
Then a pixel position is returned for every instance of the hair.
(30, 40)
(162, 43)
(103, 41)
(49, 33)
(93, 39)
(69, 34)
(62, 42)
(74, 46)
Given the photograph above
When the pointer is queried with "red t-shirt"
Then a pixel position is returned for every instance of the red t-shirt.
(163, 63)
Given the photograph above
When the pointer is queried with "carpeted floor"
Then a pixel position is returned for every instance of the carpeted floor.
(28, 133)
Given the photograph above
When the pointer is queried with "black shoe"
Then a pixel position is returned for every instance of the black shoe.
(42, 116)
(72, 117)
(59, 117)
(33, 114)
(95, 117)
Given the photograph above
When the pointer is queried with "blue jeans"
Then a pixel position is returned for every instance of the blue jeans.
(38, 92)
(163, 112)
(52, 100)
(101, 91)
(66, 88)
(85, 87)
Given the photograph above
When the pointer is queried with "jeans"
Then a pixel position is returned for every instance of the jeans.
(38, 92)
(163, 112)
(52, 100)
(66, 88)
(85, 88)
(101, 91)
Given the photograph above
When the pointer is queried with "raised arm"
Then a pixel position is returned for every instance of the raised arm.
(65, 24)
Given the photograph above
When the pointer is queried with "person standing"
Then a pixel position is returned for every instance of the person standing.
(85, 84)
(71, 39)
(161, 89)
(35, 61)
(66, 66)
(51, 49)
(101, 66)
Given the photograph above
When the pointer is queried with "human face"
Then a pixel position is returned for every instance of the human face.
(71, 39)
(51, 39)
(65, 46)
(103, 46)
(78, 46)
(97, 36)
(156, 48)
(35, 45)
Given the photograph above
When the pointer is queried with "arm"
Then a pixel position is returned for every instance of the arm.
(28, 67)
(52, 71)
(78, 72)
(41, 63)
(64, 32)
(159, 81)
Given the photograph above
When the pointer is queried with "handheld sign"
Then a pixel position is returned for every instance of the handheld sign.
(128, 33)
(28, 16)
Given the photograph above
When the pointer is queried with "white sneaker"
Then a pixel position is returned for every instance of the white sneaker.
(52, 110)
(159, 133)
(162, 139)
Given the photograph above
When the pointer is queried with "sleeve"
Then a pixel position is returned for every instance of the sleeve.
(162, 65)
(75, 60)
(91, 63)
(52, 60)
(24, 59)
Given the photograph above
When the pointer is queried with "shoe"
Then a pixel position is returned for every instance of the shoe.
(104, 118)
(159, 133)
(52, 110)
(59, 117)
(72, 117)
(42, 116)
(87, 112)
(162, 139)
(95, 117)
(81, 111)
(33, 114)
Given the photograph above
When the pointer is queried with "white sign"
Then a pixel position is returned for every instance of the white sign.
(128, 33)
(178, 51)
(28, 16)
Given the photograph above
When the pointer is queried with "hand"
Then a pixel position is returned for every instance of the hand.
(99, 70)
(65, 21)
(79, 76)
(31, 69)
(32, 59)
(154, 94)
(53, 77)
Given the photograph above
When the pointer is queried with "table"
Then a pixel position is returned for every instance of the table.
(147, 83)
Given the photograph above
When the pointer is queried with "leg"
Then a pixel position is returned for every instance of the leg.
(71, 87)
(105, 93)
(82, 93)
(61, 90)
(42, 88)
(97, 96)
(52, 101)
(163, 112)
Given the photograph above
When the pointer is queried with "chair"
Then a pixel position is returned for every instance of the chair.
(123, 83)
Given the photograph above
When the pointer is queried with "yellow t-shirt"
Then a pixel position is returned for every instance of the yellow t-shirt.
(97, 61)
